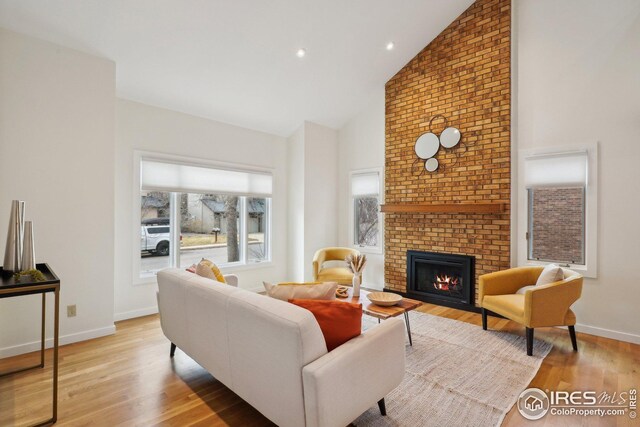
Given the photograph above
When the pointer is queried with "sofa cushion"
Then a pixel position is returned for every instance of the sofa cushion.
(210, 270)
(551, 273)
(287, 291)
(339, 321)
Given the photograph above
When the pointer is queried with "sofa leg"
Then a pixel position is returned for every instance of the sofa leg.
(383, 409)
(173, 350)
(574, 341)
(484, 319)
(529, 341)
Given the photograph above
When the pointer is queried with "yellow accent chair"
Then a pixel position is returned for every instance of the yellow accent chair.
(341, 275)
(538, 306)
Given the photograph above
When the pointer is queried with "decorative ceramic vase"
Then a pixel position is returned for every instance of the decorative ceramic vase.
(13, 249)
(357, 278)
(28, 249)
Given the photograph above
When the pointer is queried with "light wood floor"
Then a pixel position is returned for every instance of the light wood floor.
(128, 379)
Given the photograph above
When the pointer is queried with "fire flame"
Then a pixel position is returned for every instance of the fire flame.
(446, 283)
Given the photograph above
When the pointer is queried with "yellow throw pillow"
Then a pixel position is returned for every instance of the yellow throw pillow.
(209, 269)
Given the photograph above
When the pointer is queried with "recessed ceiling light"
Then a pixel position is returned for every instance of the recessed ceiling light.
(301, 53)
(390, 46)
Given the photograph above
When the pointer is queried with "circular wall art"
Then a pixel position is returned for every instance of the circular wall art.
(450, 137)
(431, 165)
(427, 145)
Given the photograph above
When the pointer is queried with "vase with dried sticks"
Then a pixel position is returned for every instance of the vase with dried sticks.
(356, 263)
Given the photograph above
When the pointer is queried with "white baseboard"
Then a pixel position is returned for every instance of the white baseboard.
(135, 313)
(608, 333)
(64, 339)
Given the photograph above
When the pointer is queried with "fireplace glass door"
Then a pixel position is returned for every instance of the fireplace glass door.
(439, 276)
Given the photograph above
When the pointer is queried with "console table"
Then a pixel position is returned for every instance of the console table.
(12, 287)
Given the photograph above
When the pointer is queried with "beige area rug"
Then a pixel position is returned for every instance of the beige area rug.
(457, 375)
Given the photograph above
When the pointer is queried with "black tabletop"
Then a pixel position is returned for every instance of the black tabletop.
(10, 282)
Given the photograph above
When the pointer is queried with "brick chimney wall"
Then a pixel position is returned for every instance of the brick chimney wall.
(464, 74)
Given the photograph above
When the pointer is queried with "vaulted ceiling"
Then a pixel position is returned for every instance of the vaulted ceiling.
(235, 60)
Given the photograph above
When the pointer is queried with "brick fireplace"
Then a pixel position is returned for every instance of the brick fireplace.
(464, 74)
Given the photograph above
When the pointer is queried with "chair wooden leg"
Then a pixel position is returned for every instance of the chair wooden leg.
(529, 341)
(484, 319)
(574, 341)
(173, 350)
(383, 408)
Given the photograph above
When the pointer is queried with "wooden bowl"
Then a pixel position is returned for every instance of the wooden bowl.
(384, 299)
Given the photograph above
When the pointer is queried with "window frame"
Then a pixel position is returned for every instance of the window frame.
(590, 241)
(351, 203)
(174, 257)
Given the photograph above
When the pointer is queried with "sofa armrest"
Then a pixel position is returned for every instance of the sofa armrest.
(506, 281)
(344, 383)
(231, 279)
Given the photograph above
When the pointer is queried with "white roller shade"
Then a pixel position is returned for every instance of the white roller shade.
(174, 177)
(365, 184)
(556, 169)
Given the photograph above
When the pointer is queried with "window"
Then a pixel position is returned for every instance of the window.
(209, 228)
(155, 243)
(365, 206)
(219, 214)
(556, 224)
(257, 210)
(560, 208)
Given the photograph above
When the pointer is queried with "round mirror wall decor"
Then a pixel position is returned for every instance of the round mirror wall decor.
(428, 144)
(431, 165)
(450, 137)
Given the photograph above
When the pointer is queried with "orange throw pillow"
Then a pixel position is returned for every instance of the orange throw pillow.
(339, 321)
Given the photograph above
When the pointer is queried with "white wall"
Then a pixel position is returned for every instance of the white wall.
(361, 146)
(578, 82)
(57, 154)
(320, 184)
(295, 209)
(147, 128)
(313, 211)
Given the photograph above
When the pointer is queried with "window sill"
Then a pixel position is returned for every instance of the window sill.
(245, 267)
(582, 269)
(150, 278)
(368, 249)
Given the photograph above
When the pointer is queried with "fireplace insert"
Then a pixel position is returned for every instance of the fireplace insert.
(440, 278)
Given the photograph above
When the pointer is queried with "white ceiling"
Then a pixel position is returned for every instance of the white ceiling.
(235, 60)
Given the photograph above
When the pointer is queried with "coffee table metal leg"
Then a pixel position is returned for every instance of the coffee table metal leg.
(406, 321)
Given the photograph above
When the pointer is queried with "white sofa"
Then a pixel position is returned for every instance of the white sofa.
(273, 355)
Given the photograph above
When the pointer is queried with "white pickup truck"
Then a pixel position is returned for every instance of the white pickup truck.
(155, 239)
